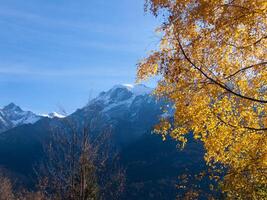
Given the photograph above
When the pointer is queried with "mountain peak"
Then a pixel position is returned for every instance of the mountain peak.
(136, 89)
(123, 92)
(12, 107)
(13, 116)
(122, 96)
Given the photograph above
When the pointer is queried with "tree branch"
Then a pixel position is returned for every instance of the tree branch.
(249, 45)
(246, 68)
(246, 127)
(221, 85)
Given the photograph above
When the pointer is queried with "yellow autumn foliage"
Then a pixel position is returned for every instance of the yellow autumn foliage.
(212, 63)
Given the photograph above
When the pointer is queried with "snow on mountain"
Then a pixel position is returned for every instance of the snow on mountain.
(121, 95)
(54, 115)
(12, 116)
(138, 89)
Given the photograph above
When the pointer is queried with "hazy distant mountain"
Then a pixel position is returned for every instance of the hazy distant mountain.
(12, 116)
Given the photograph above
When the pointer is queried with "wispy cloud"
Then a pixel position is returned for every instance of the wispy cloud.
(71, 24)
(47, 21)
(56, 72)
(77, 33)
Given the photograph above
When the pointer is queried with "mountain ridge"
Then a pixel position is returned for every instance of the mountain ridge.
(12, 116)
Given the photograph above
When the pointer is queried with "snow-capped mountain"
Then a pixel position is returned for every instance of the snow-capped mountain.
(122, 95)
(12, 116)
(132, 109)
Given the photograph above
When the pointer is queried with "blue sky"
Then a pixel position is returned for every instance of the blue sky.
(60, 53)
